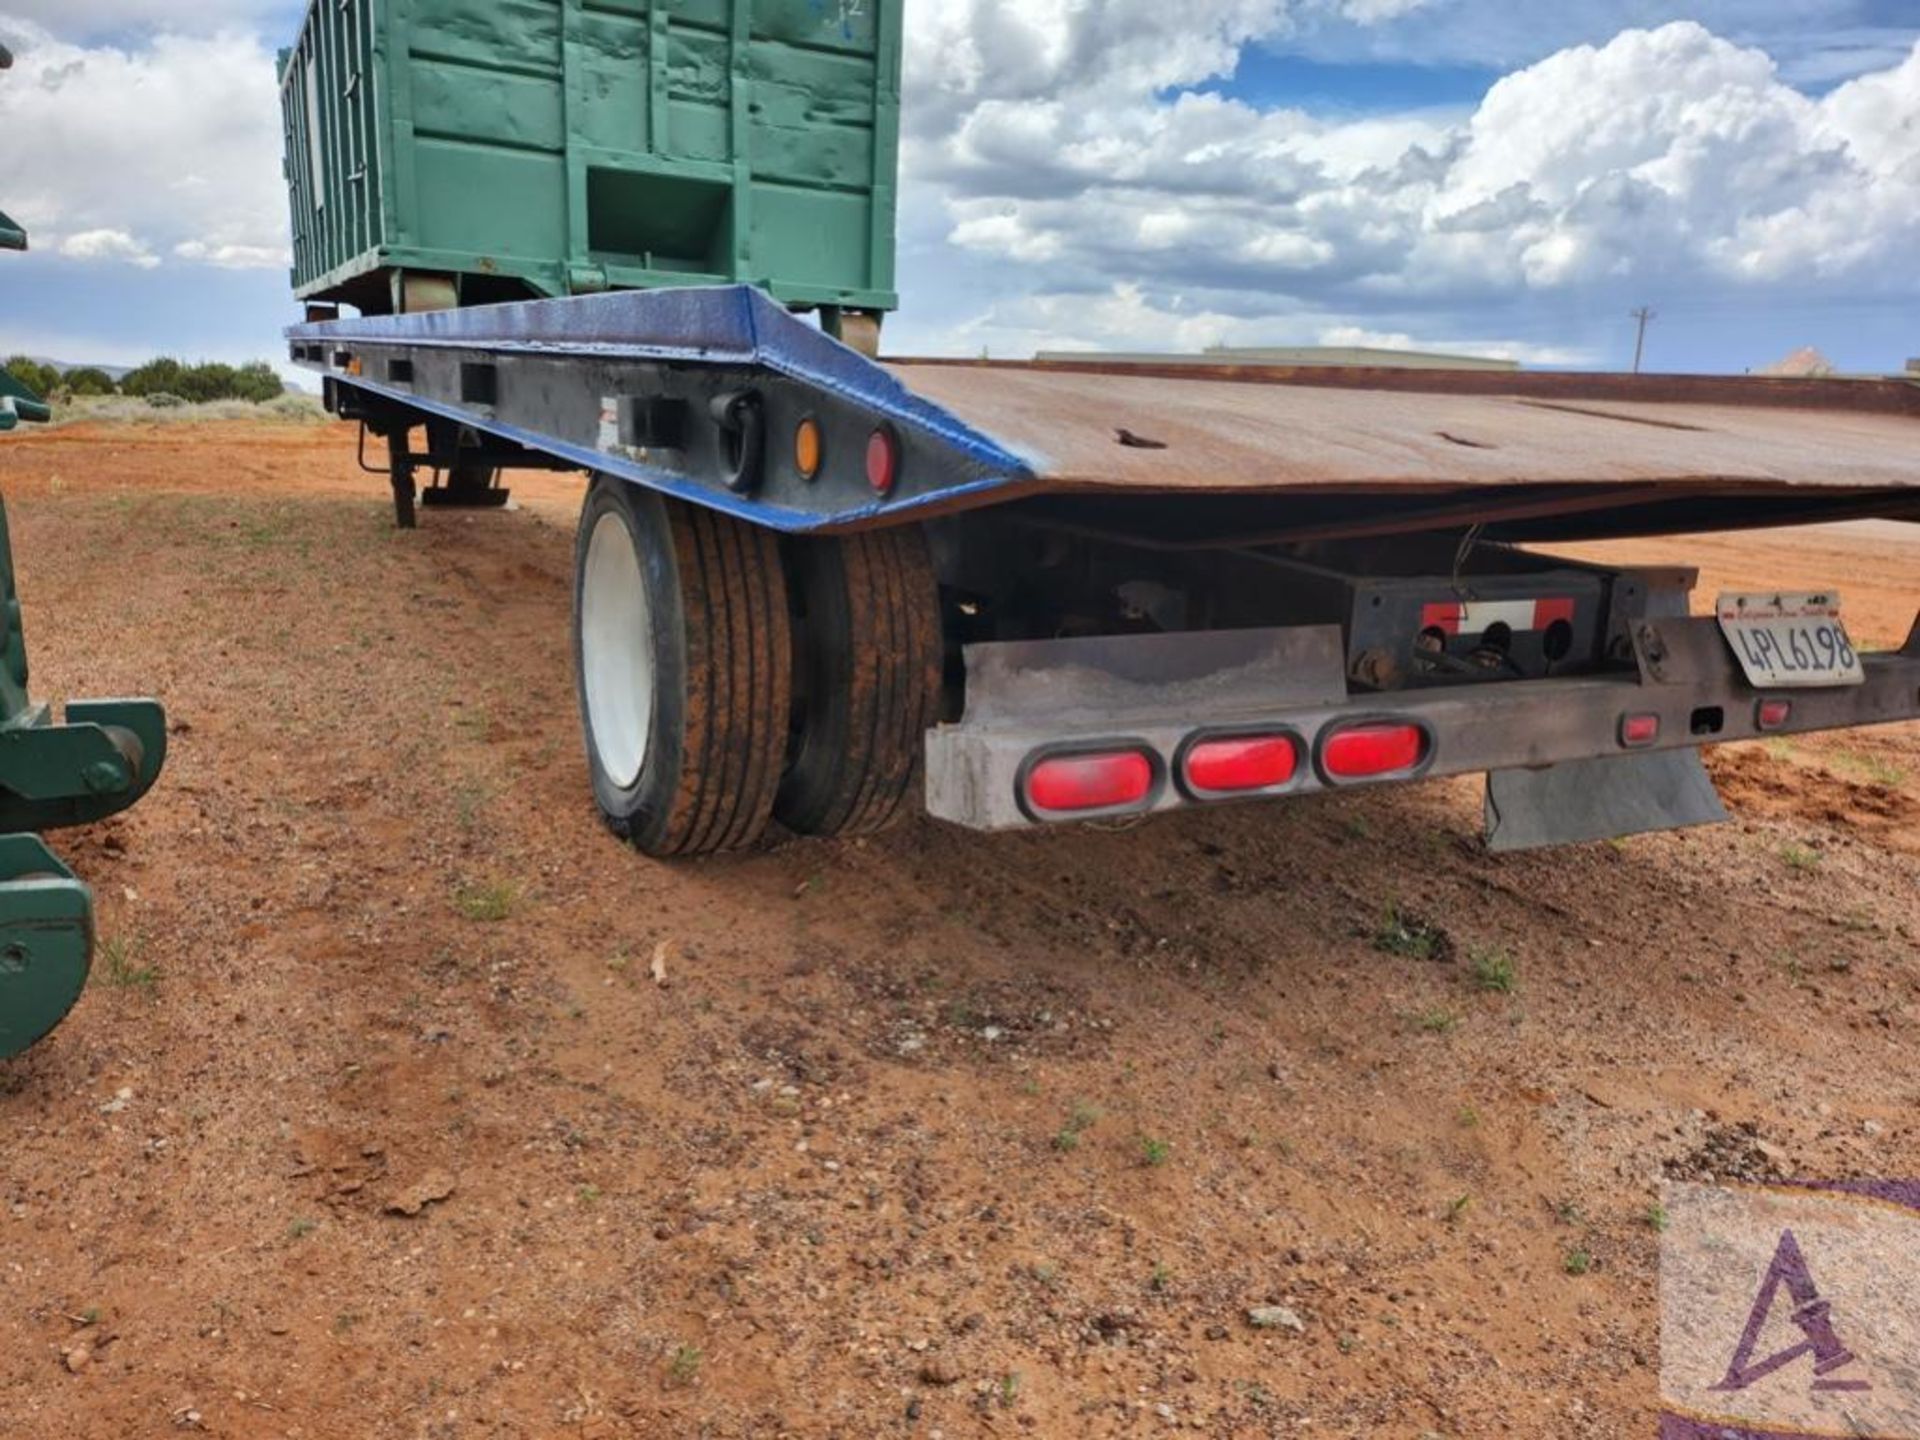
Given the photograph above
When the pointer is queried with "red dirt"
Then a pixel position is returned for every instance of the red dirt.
(938, 1134)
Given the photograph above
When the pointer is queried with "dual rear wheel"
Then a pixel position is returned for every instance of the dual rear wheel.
(729, 678)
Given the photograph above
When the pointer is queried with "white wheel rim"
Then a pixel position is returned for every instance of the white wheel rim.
(616, 651)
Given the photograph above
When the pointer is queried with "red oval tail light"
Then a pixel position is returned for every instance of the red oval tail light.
(1106, 780)
(1363, 752)
(1241, 764)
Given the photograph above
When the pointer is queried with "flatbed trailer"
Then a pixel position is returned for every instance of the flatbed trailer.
(806, 580)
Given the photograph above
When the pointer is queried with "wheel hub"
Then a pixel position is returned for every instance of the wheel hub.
(616, 651)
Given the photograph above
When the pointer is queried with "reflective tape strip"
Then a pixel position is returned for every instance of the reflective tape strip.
(1476, 617)
(1551, 612)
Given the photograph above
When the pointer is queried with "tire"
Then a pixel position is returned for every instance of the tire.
(867, 679)
(683, 653)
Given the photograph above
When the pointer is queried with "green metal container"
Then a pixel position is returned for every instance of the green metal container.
(469, 151)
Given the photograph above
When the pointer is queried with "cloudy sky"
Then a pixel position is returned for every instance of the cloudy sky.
(1475, 174)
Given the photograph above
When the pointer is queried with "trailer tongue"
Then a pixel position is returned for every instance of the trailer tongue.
(1129, 592)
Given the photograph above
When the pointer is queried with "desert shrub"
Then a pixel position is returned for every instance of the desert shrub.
(255, 381)
(87, 380)
(258, 382)
(296, 406)
(41, 379)
(156, 377)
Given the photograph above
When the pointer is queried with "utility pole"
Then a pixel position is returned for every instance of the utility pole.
(1645, 314)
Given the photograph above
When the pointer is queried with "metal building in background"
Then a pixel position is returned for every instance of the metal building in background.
(1351, 357)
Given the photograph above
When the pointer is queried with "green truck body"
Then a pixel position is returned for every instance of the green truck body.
(506, 149)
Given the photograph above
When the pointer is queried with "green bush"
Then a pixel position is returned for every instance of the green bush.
(86, 380)
(255, 381)
(41, 379)
(212, 381)
(154, 377)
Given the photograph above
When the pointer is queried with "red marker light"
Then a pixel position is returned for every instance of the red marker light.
(1362, 752)
(1639, 731)
(1110, 780)
(883, 460)
(1773, 714)
(1241, 764)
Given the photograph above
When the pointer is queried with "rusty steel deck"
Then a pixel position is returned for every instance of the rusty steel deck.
(1239, 431)
(1177, 454)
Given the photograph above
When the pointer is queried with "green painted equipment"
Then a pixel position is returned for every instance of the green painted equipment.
(46, 941)
(12, 237)
(447, 152)
(18, 403)
(104, 757)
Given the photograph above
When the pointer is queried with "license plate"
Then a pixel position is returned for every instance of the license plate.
(1790, 641)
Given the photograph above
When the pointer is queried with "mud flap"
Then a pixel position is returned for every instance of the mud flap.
(1583, 800)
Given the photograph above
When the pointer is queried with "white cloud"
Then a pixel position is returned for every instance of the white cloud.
(80, 19)
(1525, 351)
(1122, 318)
(108, 245)
(1376, 12)
(1125, 317)
(1064, 183)
(1666, 159)
(130, 154)
(1877, 118)
(1000, 232)
(232, 257)
(963, 55)
(1815, 41)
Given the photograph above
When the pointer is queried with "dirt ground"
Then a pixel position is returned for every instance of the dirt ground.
(936, 1135)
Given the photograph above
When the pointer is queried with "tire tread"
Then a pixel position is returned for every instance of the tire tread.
(888, 622)
(738, 678)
